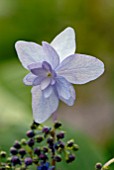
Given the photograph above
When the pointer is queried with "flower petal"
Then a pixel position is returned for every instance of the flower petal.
(43, 107)
(45, 83)
(64, 43)
(63, 88)
(29, 52)
(29, 79)
(71, 100)
(38, 80)
(80, 68)
(47, 91)
(51, 55)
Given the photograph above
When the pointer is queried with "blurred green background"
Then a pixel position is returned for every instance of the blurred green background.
(91, 119)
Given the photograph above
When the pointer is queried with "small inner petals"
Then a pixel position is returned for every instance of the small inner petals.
(34, 65)
(28, 79)
(46, 66)
(39, 72)
(38, 80)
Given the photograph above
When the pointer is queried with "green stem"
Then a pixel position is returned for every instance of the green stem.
(53, 155)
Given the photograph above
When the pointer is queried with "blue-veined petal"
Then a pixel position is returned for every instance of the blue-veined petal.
(64, 43)
(71, 100)
(51, 55)
(38, 80)
(63, 88)
(29, 79)
(47, 91)
(80, 68)
(29, 52)
(43, 107)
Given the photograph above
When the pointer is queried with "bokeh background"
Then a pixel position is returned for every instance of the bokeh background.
(91, 120)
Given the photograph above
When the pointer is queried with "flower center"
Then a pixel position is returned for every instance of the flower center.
(49, 74)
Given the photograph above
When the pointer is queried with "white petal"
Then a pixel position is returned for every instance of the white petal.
(29, 52)
(51, 55)
(80, 68)
(29, 79)
(63, 87)
(64, 43)
(69, 101)
(47, 92)
(45, 83)
(43, 107)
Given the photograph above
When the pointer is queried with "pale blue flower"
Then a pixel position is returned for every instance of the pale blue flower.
(53, 69)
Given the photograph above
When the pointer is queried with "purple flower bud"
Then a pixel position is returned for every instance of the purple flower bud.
(43, 157)
(46, 130)
(39, 139)
(17, 145)
(28, 161)
(60, 135)
(30, 142)
(58, 158)
(22, 152)
(45, 149)
(57, 125)
(70, 158)
(13, 151)
(50, 140)
(37, 151)
(98, 166)
(30, 133)
(15, 160)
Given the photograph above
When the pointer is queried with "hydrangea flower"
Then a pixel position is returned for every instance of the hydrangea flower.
(53, 69)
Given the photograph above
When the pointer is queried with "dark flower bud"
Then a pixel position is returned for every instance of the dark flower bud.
(43, 157)
(22, 152)
(23, 142)
(57, 125)
(37, 151)
(34, 125)
(30, 142)
(15, 160)
(3, 154)
(50, 140)
(17, 145)
(30, 133)
(70, 143)
(61, 135)
(58, 158)
(98, 166)
(75, 147)
(45, 149)
(39, 138)
(46, 130)
(70, 158)
(61, 145)
(28, 161)
(13, 151)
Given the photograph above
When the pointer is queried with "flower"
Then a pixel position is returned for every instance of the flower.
(53, 69)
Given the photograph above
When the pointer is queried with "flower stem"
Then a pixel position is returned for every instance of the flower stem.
(53, 152)
(107, 164)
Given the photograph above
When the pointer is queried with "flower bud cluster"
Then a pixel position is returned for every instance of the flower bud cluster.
(43, 147)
